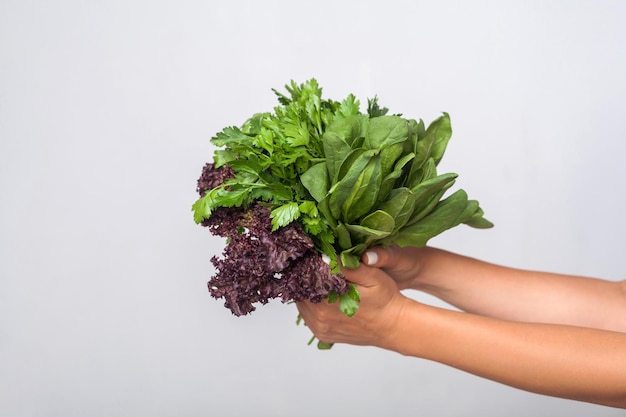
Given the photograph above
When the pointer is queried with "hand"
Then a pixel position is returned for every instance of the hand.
(375, 321)
(405, 265)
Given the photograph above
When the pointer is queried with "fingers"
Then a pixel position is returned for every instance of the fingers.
(321, 319)
(365, 276)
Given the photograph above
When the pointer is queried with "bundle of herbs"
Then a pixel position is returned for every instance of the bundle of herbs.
(304, 190)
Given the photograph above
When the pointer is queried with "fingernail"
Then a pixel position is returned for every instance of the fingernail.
(326, 259)
(371, 257)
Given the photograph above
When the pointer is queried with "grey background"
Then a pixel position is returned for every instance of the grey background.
(106, 110)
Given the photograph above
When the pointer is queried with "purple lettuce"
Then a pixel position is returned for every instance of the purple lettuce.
(259, 264)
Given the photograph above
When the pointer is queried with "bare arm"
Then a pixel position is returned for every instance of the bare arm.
(558, 360)
(512, 294)
(562, 361)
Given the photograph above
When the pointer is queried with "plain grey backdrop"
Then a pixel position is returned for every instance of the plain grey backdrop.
(106, 111)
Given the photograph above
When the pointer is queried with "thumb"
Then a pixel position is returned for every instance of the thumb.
(378, 257)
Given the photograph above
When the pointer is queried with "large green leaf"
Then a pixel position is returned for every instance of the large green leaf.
(385, 131)
(395, 177)
(389, 155)
(315, 180)
(346, 167)
(374, 226)
(343, 236)
(445, 215)
(441, 130)
(349, 128)
(363, 194)
(350, 198)
(477, 220)
(335, 149)
(420, 171)
(428, 193)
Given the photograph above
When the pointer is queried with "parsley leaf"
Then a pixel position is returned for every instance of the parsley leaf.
(285, 214)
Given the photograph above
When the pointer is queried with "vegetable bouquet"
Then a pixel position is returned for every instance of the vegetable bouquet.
(304, 190)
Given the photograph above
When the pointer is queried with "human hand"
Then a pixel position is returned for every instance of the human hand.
(374, 323)
(405, 265)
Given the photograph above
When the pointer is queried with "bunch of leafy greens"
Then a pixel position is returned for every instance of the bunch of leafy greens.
(340, 180)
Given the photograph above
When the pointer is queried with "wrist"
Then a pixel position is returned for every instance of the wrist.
(403, 335)
(428, 277)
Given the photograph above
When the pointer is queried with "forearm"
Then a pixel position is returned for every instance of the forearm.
(564, 361)
(512, 294)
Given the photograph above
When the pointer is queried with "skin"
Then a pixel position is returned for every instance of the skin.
(552, 334)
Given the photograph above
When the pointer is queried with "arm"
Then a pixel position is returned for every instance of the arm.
(512, 294)
(564, 361)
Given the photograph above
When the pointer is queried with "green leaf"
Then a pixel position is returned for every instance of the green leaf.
(444, 216)
(389, 155)
(356, 193)
(399, 206)
(350, 128)
(222, 157)
(254, 124)
(296, 134)
(324, 208)
(365, 192)
(251, 165)
(380, 221)
(476, 220)
(420, 172)
(374, 110)
(283, 215)
(385, 131)
(417, 131)
(309, 208)
(313, 225)
(276, 192)
(200, 210)
(340, 189)
(349, 302)
(349, 106)
(217, 197)
(441, 130)
(227, 198)
(231, 135)
(265, 139)
(323, 345)
(315, 180)
(426, 188)
(343, 236)
(394, 178)
(358, 155)
(375, 225)
(336, 150)
(351, 258)
(366, 235)
(428, 193)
